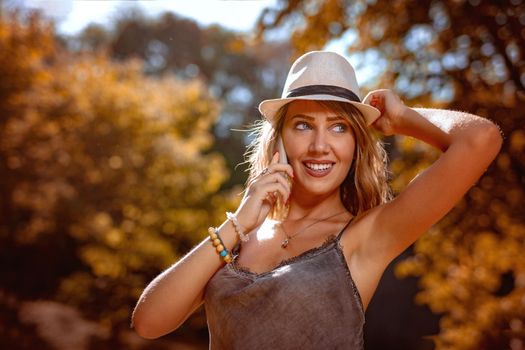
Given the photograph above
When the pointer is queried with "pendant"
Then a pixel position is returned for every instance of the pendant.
(284, 243)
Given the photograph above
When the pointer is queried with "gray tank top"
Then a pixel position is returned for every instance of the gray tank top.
(307, 302)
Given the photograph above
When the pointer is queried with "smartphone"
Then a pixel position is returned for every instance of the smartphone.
(280, 209)
(283, 159)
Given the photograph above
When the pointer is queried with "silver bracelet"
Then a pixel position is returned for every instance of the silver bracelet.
(233, 218)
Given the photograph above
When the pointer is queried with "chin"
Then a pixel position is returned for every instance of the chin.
(320, 189)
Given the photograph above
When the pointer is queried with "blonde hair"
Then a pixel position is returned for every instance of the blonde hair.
(366, 184)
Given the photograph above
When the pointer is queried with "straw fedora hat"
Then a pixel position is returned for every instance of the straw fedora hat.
(320, 75)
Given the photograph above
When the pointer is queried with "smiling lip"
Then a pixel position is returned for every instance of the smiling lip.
(317, 168)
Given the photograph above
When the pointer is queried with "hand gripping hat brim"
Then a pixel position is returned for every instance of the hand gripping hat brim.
(320, 76)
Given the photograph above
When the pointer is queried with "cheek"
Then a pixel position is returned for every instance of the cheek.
(294, 156)
(347, 151)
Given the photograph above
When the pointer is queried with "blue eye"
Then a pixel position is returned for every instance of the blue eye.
(302, 126)
(340, 127)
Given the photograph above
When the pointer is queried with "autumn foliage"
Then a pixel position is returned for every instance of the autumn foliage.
(106, 179)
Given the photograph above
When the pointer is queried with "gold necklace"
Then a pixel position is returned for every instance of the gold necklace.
(287, 239)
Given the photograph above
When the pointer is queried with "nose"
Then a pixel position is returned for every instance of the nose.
(319, 143)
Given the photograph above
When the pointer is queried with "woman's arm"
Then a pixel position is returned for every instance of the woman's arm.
(177, 292)
(469, 142)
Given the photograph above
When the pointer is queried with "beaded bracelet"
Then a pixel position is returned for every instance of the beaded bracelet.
(219, 246)
(233, 218)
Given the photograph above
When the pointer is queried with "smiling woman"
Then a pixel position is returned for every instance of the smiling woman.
(316, 228)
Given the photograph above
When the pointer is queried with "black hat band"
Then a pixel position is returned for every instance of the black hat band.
(323, 90)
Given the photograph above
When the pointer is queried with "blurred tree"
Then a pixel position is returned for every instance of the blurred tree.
(94, 38)
(236, 70)
(106, 175)
(466, 55)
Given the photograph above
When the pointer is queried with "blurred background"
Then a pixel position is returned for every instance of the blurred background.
(122, 132)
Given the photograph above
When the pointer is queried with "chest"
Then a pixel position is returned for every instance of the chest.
(273, 243)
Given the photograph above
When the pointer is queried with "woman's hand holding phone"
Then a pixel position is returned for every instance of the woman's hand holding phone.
(263, 192)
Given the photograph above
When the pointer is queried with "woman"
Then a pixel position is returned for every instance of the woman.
(313, 234)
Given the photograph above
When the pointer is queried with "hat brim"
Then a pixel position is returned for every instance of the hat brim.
(269, 108)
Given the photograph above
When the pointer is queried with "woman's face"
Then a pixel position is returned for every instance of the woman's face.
(320, 146)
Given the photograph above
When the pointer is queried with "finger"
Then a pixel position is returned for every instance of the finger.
(272, 197)
(369, 96)
(276, 177)
(263, 184)
(273, 190)
(376, 99)
(269, 169)
(280, 167)
(284, 182)
(269, 199)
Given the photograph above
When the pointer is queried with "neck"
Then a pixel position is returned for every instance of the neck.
(315, 206)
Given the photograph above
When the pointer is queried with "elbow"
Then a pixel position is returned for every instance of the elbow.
(144, 327)
(141, 327)
(494, 139)
(487, 139)
(149, 326)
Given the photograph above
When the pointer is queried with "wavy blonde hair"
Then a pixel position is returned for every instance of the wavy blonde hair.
(365, 185)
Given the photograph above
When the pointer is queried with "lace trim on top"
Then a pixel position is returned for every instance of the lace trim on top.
(304, 255)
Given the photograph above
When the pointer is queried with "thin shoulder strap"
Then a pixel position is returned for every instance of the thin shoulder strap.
(236, 248)
(344, 228)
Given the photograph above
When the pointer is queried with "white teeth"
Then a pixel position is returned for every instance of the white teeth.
(320, 167)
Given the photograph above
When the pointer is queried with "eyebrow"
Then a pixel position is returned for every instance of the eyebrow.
(304, 116)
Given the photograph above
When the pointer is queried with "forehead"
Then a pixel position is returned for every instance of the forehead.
(309, 108)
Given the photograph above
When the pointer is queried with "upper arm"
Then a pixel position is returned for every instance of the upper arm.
(395, 225)
(177, 292)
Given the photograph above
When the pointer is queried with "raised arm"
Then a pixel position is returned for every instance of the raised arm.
(469, 143)
(178, 291)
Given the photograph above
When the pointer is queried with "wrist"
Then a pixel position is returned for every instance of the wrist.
(238, 227)
(416, 124)
(405, 122)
